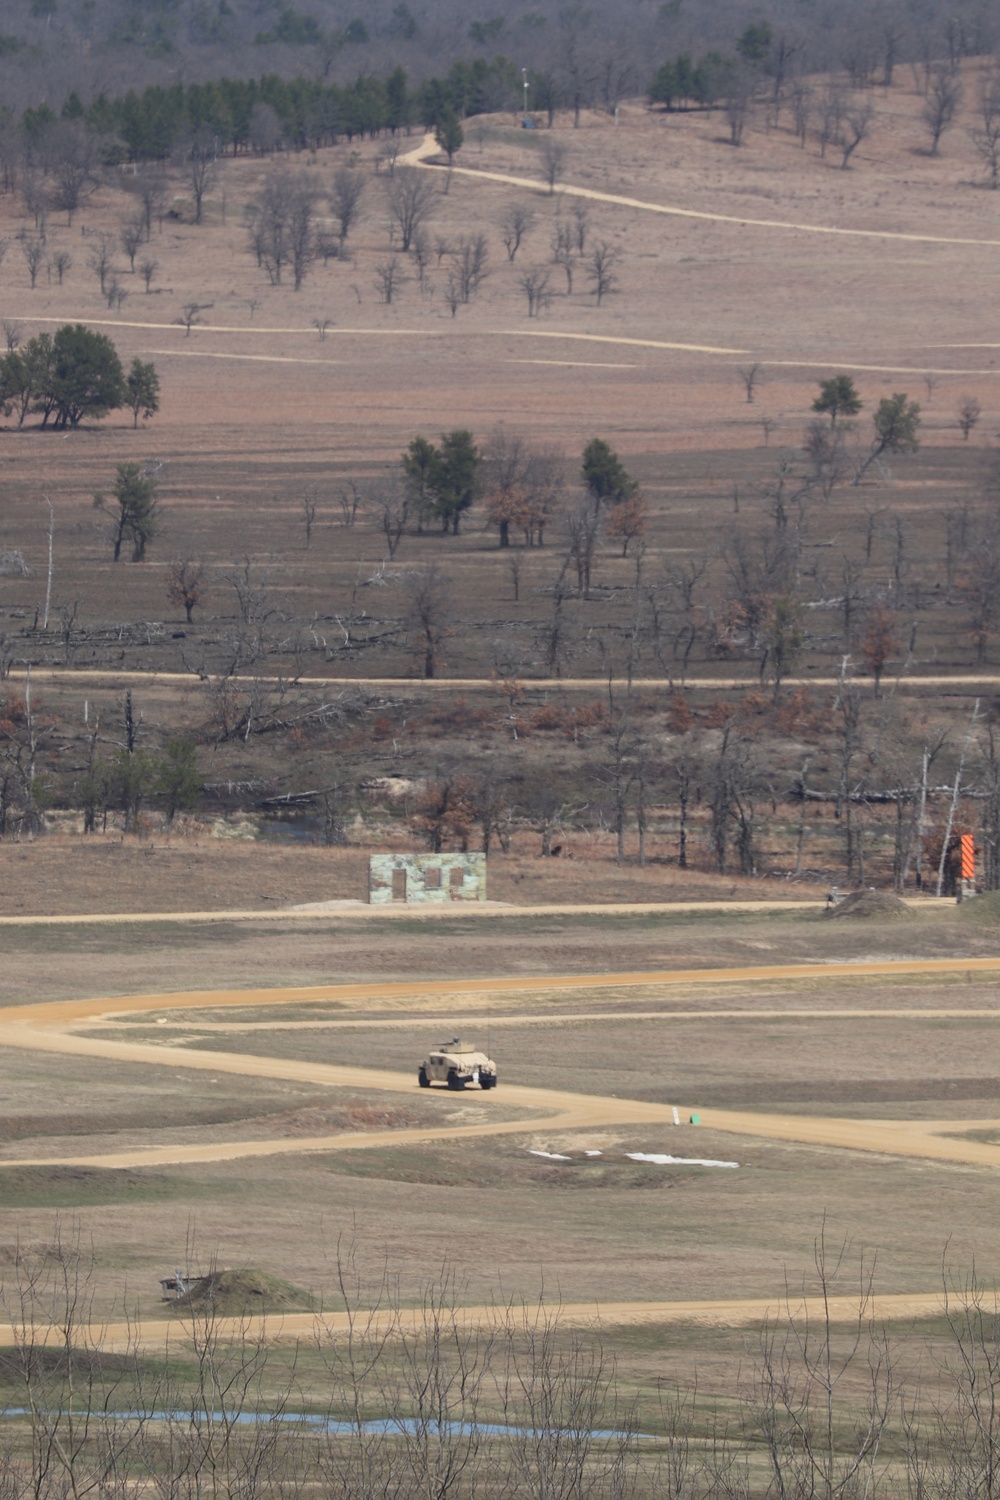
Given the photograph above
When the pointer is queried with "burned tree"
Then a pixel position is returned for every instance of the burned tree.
(186, 584)
(428, 614)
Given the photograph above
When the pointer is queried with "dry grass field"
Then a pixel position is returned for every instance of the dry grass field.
(259, 411)
(820, 1047)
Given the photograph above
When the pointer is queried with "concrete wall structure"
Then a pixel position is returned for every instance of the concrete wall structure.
(421, 878)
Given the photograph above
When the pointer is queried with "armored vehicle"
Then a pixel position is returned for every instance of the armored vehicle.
(456, 1063)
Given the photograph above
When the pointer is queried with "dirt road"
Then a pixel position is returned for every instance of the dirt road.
(354, 910)
(161, 1333)
(428, 147)
(912, 682)
(46, 1026)
(562, 1018)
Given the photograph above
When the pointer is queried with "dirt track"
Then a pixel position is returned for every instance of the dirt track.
(705, 1313)
(59, 676)
(429, 147)
(47, 1027)
(361, 910)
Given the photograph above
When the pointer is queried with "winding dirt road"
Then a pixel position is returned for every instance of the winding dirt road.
(49, 1027)
(428, 147)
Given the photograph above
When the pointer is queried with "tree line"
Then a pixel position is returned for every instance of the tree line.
(248, 115)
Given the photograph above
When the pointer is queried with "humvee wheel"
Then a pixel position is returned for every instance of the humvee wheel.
(422, 1078)
(454, 1082)
(485, 1082)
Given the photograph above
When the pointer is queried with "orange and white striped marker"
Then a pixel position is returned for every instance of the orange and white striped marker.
(968, 857)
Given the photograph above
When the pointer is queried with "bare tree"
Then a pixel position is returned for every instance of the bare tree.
(453, 292)
(150, 186)
(750, 375)
(281, 226)
(978, 585)
(986, 138)
(564, 252)
(308, 507)
(428, 592)
(535, 286)
(544, 488)
(34, 196)
(100, 262)
(34, 253)
(253, 586)
(969, 412)
(830, 113)
(191, 316)
(116, 294)
(600, 270)
(346, 197)
(131, 234)
(147, 270)
(553, 162)
(801, 99)
(411, 198)
(186, 584)
(737, 103)
(804, 1368)
(76, 165)
(349, 499)
(829, 460)
(393, 501)
(200, 160)
(504, 462)
(61, 262)
(517, 221)
(944, 95)
(583, 526)
(388, 155)
(855, 127)
(389, 278)
(581, 222)
(473, 265)
(420, 248)
(301, 227)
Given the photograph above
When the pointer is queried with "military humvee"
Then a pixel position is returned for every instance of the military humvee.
(455, 1063)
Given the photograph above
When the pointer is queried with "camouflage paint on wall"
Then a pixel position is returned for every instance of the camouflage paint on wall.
(422, 878)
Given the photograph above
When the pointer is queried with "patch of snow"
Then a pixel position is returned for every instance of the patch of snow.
(550, 1155)
(593, 1153)
(659, 1160)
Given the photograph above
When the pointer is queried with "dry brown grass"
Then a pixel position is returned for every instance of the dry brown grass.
(254, 415)
(245, 427)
